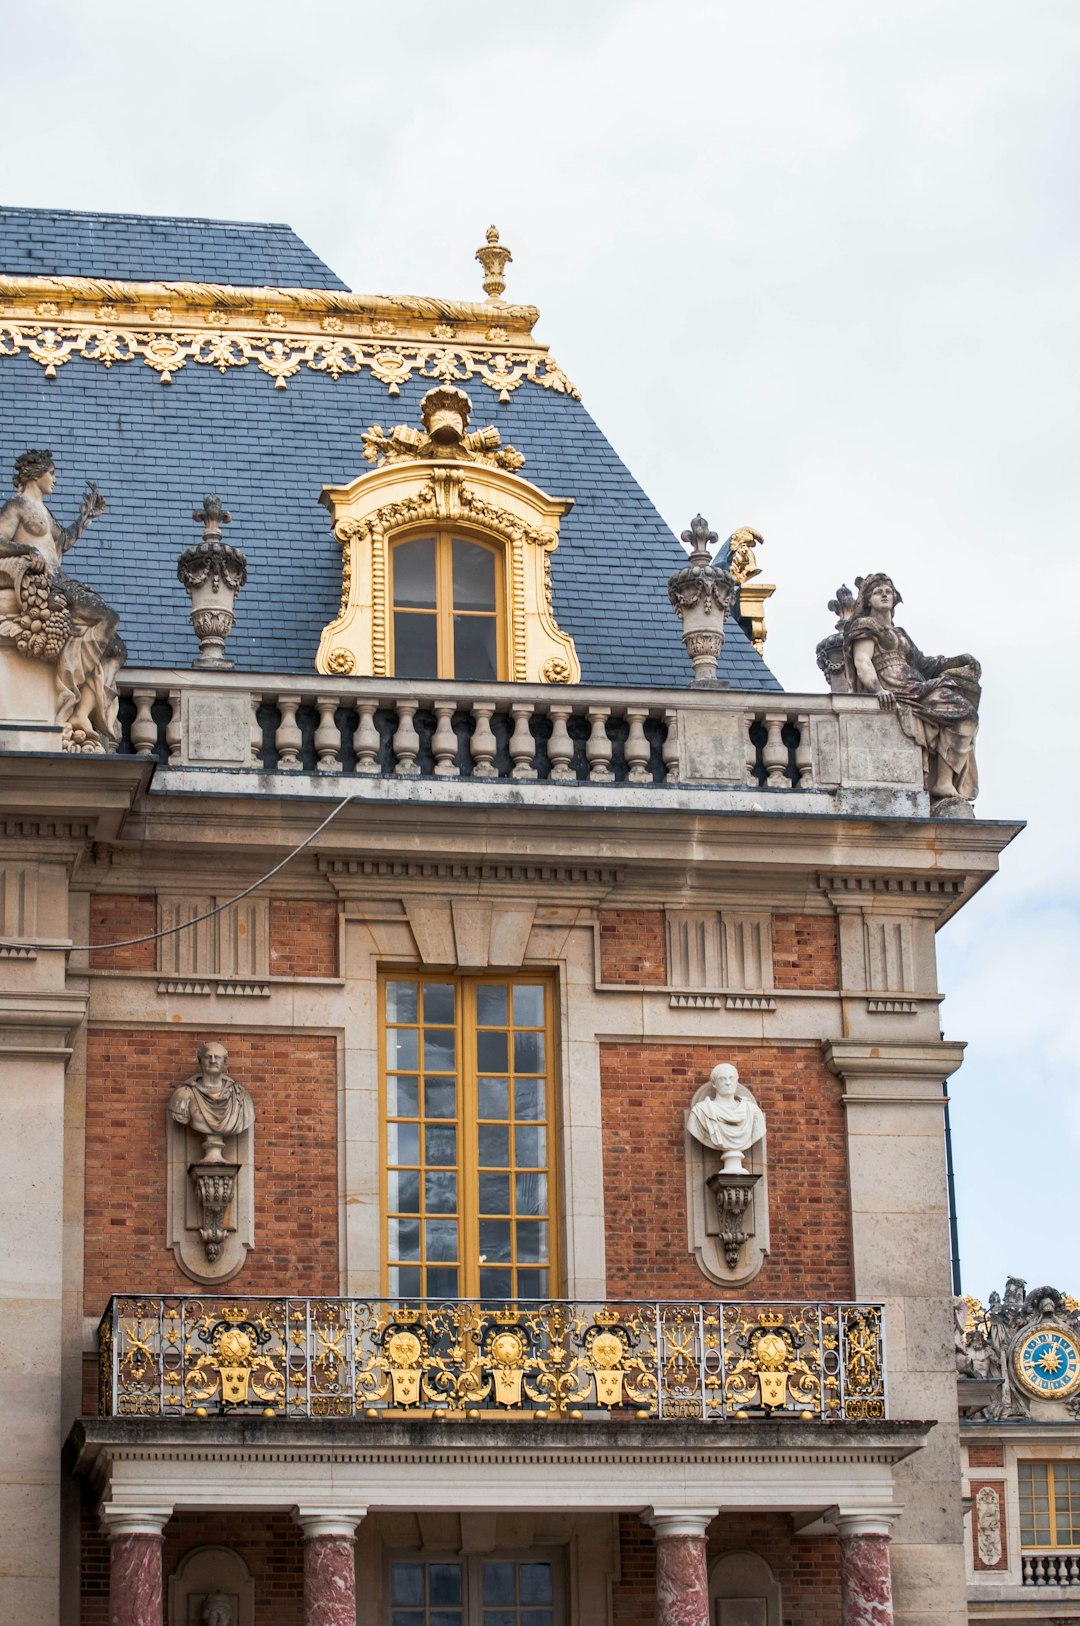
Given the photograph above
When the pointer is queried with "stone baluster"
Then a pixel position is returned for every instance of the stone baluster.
(329, 1566)
(775, 754)
(669, 751)
(288, 738)
(135, 1585)
(173, 733)
(636, 750)
(865, 1574)
(406, 740)
(598, 746)
(804, 754)
(682, 1579)
(366, 739)
(751, 750)
(327, 736)
(444, 741)
(143, 726)
(484, 743)
(256, 731)
(560, 745)
(522, 744)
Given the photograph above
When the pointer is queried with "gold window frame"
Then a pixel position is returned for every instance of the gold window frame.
(468, 1166)
(445, 609)
(1026, 1488)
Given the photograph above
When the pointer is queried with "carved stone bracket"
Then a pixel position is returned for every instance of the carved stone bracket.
(733, 1193)
(215, 1185)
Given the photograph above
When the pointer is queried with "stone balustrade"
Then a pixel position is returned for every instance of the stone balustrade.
(832, 750)
(1050, 1569)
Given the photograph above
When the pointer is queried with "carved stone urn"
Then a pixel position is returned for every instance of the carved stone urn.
(213, 572)
(701, 595)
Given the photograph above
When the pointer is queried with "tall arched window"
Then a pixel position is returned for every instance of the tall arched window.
(448, 621)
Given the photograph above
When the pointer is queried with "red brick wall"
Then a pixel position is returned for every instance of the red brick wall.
(270, 1544)
(645, 1089)
(303, 938)
(633, 946)
(985, 1454)
(115, 916)
(806, 951)
(808, 1571)
(130, 1075)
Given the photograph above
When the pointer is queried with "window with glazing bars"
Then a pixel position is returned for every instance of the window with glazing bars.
(473, 1592)
(447, 593)
(1049, 1504)
(468, 1147)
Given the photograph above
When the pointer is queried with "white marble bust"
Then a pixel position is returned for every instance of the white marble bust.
(728, 1118)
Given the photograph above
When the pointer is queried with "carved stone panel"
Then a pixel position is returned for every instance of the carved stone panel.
(235, 943)
(988, 1531)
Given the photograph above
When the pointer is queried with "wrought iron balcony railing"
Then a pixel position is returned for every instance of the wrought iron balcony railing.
(364, 1358)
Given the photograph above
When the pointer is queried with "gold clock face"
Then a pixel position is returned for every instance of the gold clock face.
(1047, 1363)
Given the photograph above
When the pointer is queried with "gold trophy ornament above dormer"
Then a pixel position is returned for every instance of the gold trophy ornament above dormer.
(446, 558)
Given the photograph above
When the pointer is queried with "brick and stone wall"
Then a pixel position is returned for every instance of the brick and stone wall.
(806, 952)
(303, 938)
(645, 1089)
(130, 1074)
(633, 947)
(117, 916)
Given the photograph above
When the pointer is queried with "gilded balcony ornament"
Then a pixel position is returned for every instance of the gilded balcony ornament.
(494, 258)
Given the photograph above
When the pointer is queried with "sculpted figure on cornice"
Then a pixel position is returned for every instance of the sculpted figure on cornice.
(936, 697)
(1027, 1345)
(57, 619)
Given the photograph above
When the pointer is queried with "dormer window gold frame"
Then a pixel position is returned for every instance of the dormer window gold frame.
(377, 508)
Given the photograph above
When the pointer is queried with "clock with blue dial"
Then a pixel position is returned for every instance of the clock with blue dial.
(1047, 1363)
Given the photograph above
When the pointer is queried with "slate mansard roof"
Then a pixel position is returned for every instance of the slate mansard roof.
(157, 451)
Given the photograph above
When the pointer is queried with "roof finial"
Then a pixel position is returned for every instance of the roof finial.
(494, 259)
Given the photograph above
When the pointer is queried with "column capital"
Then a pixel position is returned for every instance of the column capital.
(680, 1521)
(339, 1523)
(868, 1522)
(134, 1521)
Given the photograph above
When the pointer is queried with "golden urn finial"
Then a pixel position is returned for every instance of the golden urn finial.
(494, 259)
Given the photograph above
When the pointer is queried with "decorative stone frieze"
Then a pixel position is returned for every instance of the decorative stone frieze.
(212, 572)
(701, 595)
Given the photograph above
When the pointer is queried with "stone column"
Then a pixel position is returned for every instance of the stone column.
(135, 1587)
(329, 1566)
(682, 1580)
(865, 1574)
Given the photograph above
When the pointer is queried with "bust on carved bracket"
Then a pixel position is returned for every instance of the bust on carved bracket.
(727, 1187)
(211, 1158)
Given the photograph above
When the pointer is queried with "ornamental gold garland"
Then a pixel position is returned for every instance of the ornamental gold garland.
(280, 355)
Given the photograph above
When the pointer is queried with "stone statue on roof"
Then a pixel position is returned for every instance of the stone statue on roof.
(53, 617)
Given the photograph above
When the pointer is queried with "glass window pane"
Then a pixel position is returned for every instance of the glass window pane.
(444, 1617)
(416, 645)
(534, 1582)
(404, 1239)
(536, 1617)
(440, 1097)
(495, 1283)
(438, 1050)
(440, 1191)
(405, 1282)
(401, 1050)
(401, 1002)
(474, 576)
(402, 1143)
(530, 1147)
(440, 1239)
(442, 1282)
(491, 1053)
(444, 1583)
(499, 1583)
(494, 1098)
(529, 1098)
(530, 1193)
(404, 1192)
(500, 1617)
(532, 1242)
(495, 1241)
(438, 1004)
(528, 1052)
(440, 1145)
(494, 1146)
(476, 648)
(414, 574)
(407, 1583)
(491, 1004)
(528, 1005)
(407, 1617)
(495, 1193)
(532, 1284)
(403, 1097)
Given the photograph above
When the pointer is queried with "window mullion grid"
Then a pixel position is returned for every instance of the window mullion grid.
(468, 1138)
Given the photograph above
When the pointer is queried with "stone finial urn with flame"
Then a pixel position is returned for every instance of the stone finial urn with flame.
(213, 572)
(701, 595)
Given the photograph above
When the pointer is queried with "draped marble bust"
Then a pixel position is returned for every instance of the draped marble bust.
(211, 1102)
(728, 1118)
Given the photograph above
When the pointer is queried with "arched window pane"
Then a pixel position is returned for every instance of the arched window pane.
(476, 647)
(416, 641)
(474, 577)
(414, 579)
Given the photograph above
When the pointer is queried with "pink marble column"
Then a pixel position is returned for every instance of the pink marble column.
(865, 1575)
(682, 1579)
(135, 1593)
(329, 1567)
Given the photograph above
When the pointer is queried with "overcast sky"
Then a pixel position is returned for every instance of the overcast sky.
(814, 268)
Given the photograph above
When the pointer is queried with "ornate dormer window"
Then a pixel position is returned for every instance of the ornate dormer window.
(446, 558)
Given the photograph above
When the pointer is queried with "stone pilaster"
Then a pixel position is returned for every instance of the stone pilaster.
(329, 1567)
(682, 1579)
(865, 1574)
(135, 1583)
